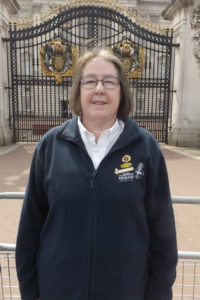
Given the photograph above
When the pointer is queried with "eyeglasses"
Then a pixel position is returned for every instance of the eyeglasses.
(108, 82)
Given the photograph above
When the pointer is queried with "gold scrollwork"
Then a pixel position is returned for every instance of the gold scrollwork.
(111, 4)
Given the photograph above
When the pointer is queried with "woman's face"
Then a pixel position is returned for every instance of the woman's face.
(100, 103)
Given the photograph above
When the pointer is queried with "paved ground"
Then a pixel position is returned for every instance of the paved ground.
(184, 174)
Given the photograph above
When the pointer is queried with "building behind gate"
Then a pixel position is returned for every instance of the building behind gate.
(41, 54)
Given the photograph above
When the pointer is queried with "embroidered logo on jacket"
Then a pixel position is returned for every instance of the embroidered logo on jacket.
(139, 171)
(127, 172)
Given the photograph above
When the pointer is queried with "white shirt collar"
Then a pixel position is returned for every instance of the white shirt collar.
(110, 130)
(97, 151)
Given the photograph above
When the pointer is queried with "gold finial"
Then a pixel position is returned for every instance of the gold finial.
(23, 23)
(157, 28)
(36, 20)
(12, 23)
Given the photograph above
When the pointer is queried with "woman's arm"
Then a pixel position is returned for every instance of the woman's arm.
(163, 247)
(33, 214)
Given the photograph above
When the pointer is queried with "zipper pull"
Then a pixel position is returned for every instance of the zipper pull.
(93, 177)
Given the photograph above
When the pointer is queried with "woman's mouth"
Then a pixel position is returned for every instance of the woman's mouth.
(98, 102)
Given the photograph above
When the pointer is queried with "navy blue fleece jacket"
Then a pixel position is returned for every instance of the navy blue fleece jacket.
(105, 234)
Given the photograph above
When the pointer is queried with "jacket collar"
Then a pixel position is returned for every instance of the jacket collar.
(70, 131)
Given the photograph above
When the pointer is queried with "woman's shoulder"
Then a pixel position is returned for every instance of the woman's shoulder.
(50, 138)
(139, 132)
(58, 130)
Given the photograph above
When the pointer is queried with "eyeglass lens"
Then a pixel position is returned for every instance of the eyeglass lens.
(108, 83)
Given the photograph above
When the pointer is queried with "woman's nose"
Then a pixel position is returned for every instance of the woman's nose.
(99, 87)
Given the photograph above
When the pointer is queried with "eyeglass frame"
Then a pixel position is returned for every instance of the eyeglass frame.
(102, 82)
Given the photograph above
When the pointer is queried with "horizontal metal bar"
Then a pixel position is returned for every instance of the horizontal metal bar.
(7, 247)
(10, 286)
(185, 200)
(175, 199)
(12, 195)
(188, 255)
(181, 254)
(181, 296)
(13, 296)
(5, 39)
(8, 87)
(176, 44)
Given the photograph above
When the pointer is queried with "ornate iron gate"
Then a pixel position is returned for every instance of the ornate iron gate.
(41, 78)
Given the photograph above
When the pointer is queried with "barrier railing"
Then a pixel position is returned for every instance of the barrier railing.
(175, 199)
(186, 286)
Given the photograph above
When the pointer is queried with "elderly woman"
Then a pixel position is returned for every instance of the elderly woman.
(97, 221)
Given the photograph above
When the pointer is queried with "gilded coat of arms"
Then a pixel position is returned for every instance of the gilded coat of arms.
(57, 58)
(132, 57)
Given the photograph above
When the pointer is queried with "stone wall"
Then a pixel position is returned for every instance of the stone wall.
(185, 17)
(148, 9)
(7, 7)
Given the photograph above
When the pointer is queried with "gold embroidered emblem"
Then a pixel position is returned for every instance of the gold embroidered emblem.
(119, 171)
(126, 165)
(126, 158)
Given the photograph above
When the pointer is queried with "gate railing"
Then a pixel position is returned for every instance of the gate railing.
(186, 286)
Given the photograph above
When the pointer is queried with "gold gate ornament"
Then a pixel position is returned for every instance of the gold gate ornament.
(57, 59)
(131, 56)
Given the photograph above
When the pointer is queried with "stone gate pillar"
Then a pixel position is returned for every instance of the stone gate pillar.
(185, 17)
(7, 7)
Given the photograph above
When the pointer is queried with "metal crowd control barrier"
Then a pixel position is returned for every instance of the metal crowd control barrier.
(186, 286)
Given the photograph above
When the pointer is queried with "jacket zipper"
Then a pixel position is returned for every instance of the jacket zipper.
(92, 224)
(92, 239)
(93, 177)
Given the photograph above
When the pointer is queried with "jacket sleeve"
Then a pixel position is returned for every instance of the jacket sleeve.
(160, 217)
(33, 214)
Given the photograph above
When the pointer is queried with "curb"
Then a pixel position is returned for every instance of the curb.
(7, 149)
(185, 151)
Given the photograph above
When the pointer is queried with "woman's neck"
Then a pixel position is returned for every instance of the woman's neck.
(97, 127)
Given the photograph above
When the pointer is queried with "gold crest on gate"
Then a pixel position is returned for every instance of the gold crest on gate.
(57, 58)
(131, 56)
